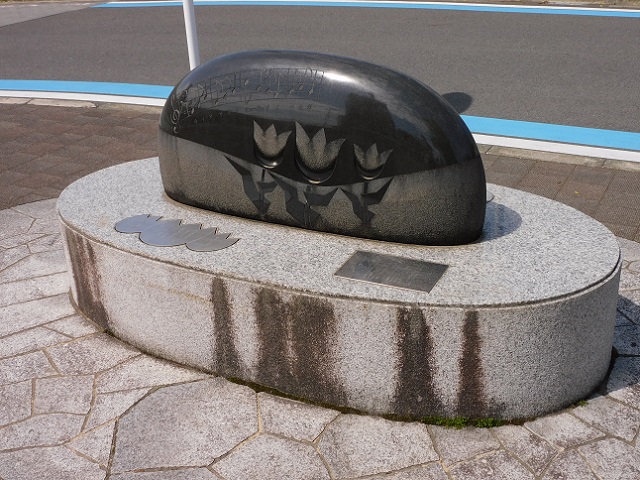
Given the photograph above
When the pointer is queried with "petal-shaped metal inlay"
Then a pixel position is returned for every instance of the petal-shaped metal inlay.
(268, 142)
(172, 233)
(316, 154)
(370, 160)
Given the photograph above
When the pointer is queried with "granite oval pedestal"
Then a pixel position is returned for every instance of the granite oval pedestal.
(520, 323)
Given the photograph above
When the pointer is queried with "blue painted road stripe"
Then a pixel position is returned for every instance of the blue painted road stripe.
(593, 137)
(98, 88)
(592, 12)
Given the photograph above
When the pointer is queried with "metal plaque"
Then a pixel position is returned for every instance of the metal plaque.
(392, 271)
(172, 233)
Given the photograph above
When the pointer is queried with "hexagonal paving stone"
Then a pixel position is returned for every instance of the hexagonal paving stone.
(630, 250)
(626, 340)
(629, 304)
(431, 471)
(25, 367)
(292, 419)
(48, 463)
(529, 448)
(563, 430)
(20, 316)
(75, 326)
(46, 243)
(206, 419)
(108, 406)
(611, 417)
(145, 371)
(612, 459)
(496, 466)
(622, 321)
(178, 474)
(90, 354)
(64, 394)
(29, 340)
(14, 223)
(20, 239)
(40, 209)
(272, 458)
(41, 430)
(95, 444)
(36, 264)
(12, 256)
(569, 465)
(355, 445)
(34, 289)
(457, 445)
(49, 224)
(15, 402)
(629, 278)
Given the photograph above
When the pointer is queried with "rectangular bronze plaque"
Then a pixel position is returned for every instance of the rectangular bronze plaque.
(392, 271)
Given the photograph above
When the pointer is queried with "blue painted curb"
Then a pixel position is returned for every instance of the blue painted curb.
(593, 137)
(398, 5)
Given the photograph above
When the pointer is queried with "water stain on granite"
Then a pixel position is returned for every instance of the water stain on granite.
(86, 277)
(471, 398)
(225, 354)
(296, 346)
(274, 367)
(415, 391)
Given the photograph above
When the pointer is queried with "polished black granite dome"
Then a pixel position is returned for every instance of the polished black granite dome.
(325, 143)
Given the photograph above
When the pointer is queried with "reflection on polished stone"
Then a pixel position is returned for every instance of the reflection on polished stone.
(325, 143)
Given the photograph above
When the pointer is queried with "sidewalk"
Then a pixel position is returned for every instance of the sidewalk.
(75, 403)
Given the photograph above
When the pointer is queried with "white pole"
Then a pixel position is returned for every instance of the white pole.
(192, 36)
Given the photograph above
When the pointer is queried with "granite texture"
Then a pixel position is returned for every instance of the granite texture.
(526, 239)
(456, 445)
(213, 417)
(541, 341)
(95, 444)
(284, 426)
(563, 430)
(529, 448)
(375, 446)
(569, 465)
(52, 462)
(272, 458)
(498, 466)
(293, 419)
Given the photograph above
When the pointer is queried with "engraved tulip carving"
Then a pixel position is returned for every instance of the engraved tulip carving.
(371, 161)
(315, 154)
(268, 142)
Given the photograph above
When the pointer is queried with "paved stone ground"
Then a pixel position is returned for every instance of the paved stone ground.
(75, 403)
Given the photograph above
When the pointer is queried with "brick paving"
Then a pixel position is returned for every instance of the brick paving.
(44, 148)
(608, 191)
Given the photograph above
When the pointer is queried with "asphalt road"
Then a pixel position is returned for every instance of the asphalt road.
(560, 69)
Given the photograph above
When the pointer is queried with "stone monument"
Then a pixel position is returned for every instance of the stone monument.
(322, 142)
(378, 278)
